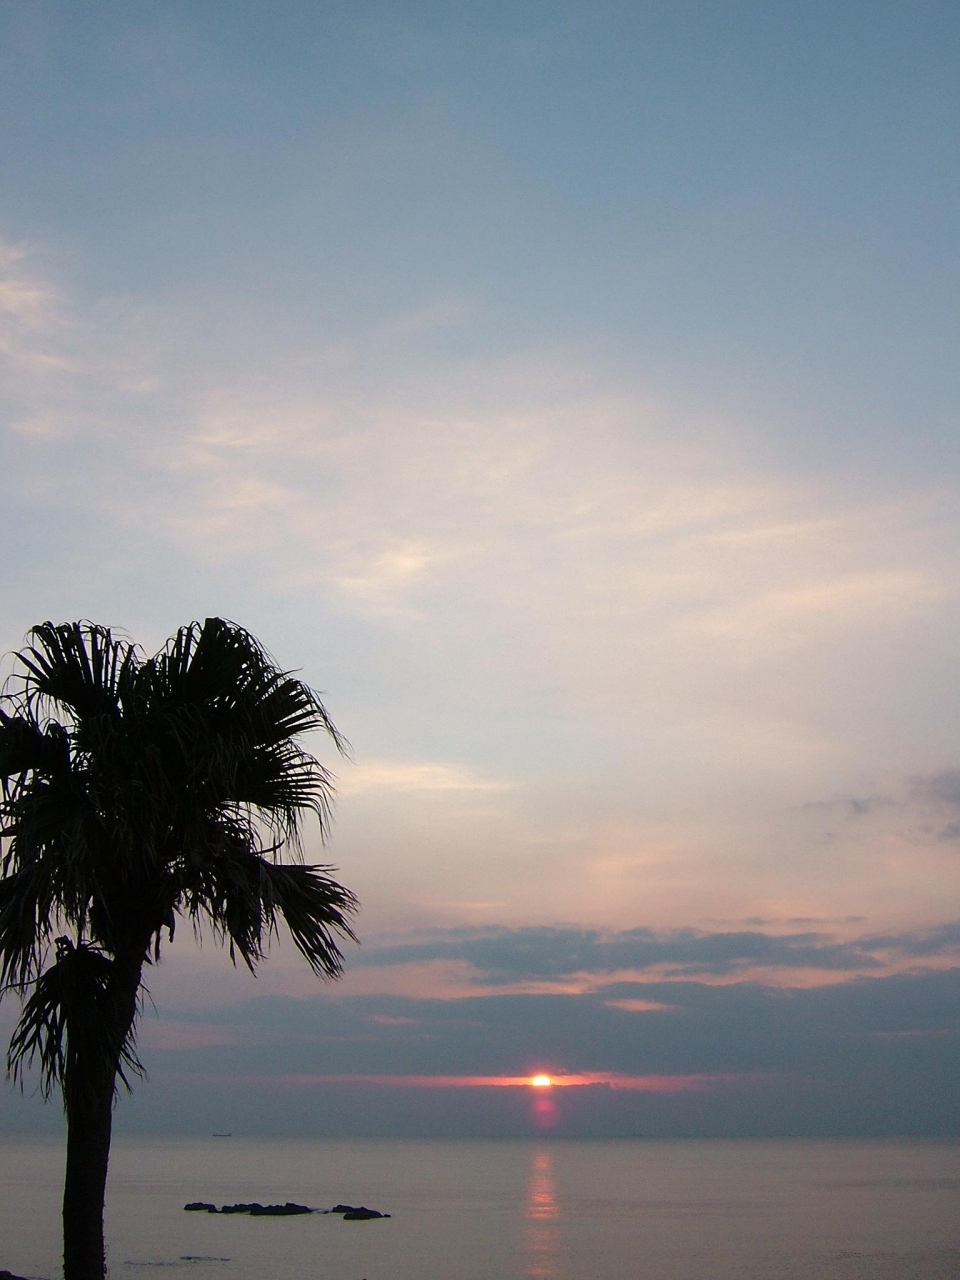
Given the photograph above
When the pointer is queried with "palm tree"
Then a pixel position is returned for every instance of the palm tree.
(137, 791)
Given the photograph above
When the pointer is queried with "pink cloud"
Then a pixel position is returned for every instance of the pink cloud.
(581, 1079)
(641, 1006)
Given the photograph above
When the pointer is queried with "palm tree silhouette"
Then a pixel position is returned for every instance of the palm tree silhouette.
(138, 791)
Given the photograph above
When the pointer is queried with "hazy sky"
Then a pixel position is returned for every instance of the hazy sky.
(570, 391)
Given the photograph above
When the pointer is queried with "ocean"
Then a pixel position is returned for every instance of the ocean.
(550, 1210)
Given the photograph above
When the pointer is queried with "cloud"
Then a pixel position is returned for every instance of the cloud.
(869, 1056)
(917, 944)
(853, 806)
(939, 792)
(925, 791)
(637, 1005)
(939, 788)
(914, 802)
(34, 328)
(746, 1027)
(399, 776)
(529, 583)
(520, 484)
(784, 920)
(616, 1080)
(507, 956)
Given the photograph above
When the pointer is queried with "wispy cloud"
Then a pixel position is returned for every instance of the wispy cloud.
(580, 514)
(405, 777)
(611, 623)
(918, 806)
(615, 1080)
(510, 956)
(940, 788)
(33, 323)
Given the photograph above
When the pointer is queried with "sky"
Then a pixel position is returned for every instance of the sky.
(569, 391)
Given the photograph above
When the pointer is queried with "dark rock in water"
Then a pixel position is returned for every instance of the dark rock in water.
(351, 1213)
(255, 1210)
(279, 1210)
(8, 1275)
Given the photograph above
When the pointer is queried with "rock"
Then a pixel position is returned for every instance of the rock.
(8, 1275)
(279, 1210)
(362, 1214)
(255, 1209)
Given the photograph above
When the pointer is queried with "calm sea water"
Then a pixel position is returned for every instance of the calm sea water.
(556, 1210)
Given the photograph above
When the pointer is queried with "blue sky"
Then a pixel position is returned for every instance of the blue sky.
(570, 391)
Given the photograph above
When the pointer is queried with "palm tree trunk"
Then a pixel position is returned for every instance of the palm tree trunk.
(89, 1091)
(89, 1122)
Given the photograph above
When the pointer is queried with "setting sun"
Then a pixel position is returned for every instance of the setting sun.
(541, 1082)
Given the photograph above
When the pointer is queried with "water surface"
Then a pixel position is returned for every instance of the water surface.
(553, 1210)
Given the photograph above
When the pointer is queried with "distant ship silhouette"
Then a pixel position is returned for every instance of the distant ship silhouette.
(221, 1135)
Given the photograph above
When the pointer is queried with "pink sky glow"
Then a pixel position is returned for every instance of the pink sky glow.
(608, 1079)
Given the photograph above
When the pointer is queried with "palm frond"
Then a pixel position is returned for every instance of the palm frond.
(234, 716)
(26, 748)
(220, 662)
(26, 912)
(244, 896)
(315, 908)
(57, 857)
(70, 1022)
(76, 665)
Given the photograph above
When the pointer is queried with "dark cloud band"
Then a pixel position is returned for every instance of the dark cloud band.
(504, 956)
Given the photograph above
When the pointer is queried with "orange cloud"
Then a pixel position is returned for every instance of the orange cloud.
(582, 1079)
(641, 1006)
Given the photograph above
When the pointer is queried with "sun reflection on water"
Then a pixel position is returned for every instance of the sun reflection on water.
(542, 1221)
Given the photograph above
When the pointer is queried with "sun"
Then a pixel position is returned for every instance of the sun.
(541, 1082)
